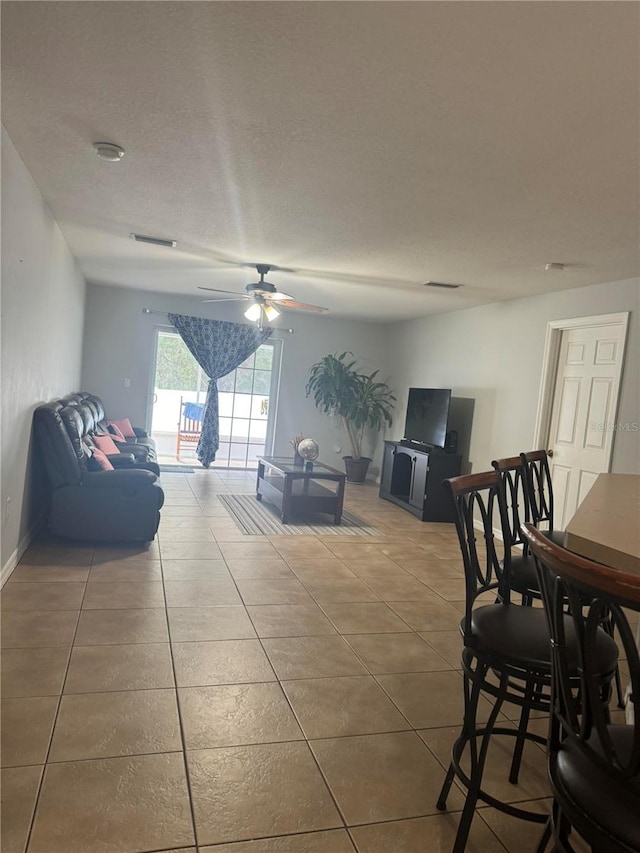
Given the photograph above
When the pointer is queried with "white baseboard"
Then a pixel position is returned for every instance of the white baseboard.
(23, 544)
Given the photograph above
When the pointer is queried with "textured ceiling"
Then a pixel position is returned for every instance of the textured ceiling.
(368, 147)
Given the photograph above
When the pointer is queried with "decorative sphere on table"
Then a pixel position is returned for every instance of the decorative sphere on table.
(308, 449)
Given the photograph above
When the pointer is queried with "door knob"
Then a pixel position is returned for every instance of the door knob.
(549, 452)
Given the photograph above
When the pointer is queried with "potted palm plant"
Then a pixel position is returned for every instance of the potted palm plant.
(358, 399)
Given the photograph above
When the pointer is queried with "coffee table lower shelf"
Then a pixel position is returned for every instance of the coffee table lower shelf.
(295, 497)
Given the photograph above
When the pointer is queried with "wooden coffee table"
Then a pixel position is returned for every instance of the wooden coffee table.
(298, 490)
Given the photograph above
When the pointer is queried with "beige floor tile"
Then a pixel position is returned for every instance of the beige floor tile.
(510, 830)
(26, 729)
(178, 535)
(251, 791)
(329, 841)
(433, 571)
(194, 570)
(19, 787)
(33, 672)
(23, 629)
(51, 574)
(430, 699)
(248, 550)
(236, 714)
(193, 624)
(327, 566)
(336, 707)
(149, 570)
(118, 627)
(105, 725)
(372, 565)
(435, 834)
(113, 595)
(190, 551)
(323, 570)
(312, 657)
(180, 523)
(403, 551)
(451, 589)
(143, 666)
(126, 553)
(428, 615)
(364, 618)
(224, 662)
(257, 569)
(533, 780)
(201, 593)
(134, 803)
(354, 548)
(339, 590)
(182, 512)
(402, 588)
(446, 643)
(273, 591)
(308, 546)
(382, 653)
(290, 620)
(381, 777)
(42, 596)
(57, 556)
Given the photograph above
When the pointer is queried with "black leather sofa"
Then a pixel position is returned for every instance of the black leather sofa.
(143, 441)
(119, 505)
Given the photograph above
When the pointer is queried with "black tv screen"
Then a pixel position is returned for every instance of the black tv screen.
(427, 415)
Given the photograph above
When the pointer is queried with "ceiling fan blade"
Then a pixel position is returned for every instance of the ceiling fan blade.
(231, 299)
(215, 290)
(276, 296)
(301, 306)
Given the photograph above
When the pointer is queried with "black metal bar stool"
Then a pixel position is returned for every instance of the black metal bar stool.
(506, 654)
(594, 766)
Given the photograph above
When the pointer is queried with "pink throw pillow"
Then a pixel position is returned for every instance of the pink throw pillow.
(101, 460)
(124, 425)
(117, 432)
(105, 443)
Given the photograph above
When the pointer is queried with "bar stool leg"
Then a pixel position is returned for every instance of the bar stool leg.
(522, 733)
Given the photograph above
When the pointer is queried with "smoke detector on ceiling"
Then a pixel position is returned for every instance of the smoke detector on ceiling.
(109, 151)
(553, 267)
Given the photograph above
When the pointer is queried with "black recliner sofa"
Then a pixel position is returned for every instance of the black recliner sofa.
(141, 445)
(119, 505)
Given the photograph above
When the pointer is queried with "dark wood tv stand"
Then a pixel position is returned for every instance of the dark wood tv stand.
(412, 478)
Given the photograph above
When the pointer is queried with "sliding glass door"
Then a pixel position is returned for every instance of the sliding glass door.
(247, 402)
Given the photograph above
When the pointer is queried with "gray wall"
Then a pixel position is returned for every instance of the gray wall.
(43, 296)
(494, 353)
(119, 344)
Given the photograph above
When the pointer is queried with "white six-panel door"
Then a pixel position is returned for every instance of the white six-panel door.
(582, 423)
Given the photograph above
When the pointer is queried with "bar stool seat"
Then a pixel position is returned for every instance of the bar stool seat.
(523, 575)
(581, 782)
(519, 636)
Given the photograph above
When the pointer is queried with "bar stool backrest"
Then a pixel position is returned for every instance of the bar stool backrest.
(539, 486)
(513, 471)
(593, 591)
(480, 513)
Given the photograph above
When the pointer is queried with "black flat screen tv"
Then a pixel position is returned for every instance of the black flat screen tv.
(427, 415)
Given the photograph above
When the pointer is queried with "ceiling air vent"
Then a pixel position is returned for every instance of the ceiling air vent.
(155, 241)
(441, 284)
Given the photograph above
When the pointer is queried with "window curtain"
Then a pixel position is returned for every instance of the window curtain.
(218, 347)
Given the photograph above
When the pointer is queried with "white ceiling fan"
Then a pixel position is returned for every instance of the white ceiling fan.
(265, 299)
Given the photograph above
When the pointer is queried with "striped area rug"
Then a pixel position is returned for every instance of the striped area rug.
(254, 517)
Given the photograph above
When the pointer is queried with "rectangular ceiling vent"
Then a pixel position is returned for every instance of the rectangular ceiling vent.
(441, 284)
(155, 241)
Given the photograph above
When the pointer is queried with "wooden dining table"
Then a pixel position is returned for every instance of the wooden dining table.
(606, 529)
(606, 525)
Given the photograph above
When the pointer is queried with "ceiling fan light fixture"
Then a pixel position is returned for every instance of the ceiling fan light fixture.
(272, 312)
(253, 312)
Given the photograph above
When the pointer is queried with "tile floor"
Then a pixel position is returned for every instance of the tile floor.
(213, 688)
